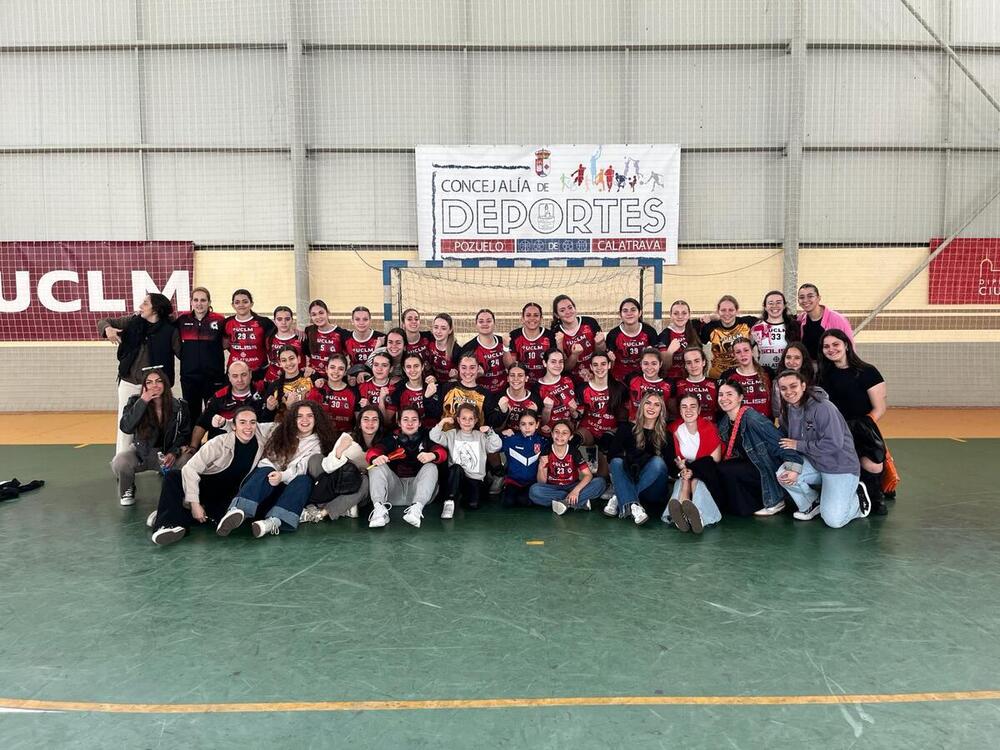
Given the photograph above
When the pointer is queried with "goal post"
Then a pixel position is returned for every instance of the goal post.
(461, 287)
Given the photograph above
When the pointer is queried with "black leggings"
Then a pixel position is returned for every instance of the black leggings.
(197, 392)
(463, 487)
(215, 497)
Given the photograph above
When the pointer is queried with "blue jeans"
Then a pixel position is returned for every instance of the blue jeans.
(652, 483)
(837, 493)
(702, 500)
(291, 497)
(544, 494)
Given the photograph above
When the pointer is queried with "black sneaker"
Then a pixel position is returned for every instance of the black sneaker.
(864, 502)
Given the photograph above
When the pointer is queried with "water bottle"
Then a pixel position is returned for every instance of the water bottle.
(162, 457)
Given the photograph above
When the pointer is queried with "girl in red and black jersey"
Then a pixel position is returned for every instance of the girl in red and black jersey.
(322, 338)
(557, 391)
(601, 403)
(379, 387)
(339, 400)
(363, 340)
(578, 336)
(679, 334)
(504, 410)
(564, 476)
(395, 347)
(529, 343)
(488, 350)
(246, 334)
(202, 357)
(628, 340)
(697, 383)
(646, 381)
(751, 376)
(417, 341)
(284, 335)
(443, 352)
(417, 391)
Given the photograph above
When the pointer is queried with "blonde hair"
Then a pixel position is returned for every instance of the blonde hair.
(659, 427)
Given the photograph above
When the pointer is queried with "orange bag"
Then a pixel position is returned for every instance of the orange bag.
(890, 477)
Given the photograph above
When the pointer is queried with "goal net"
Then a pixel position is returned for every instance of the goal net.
(462, 288)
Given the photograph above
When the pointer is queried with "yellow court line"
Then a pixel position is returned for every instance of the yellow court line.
(81, 445)
(959, 440)
(424, 705)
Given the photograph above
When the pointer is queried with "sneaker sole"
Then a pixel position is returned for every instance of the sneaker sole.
(640, 522)
(612, 514)
(168, 537)
(677, 515)
(414, 522)
(768, 512)
(692, 516)
(227, 524)
(559, 508)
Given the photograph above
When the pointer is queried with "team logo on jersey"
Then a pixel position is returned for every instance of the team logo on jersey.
(214, 325)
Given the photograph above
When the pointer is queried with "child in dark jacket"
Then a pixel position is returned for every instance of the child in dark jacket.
(522, 450)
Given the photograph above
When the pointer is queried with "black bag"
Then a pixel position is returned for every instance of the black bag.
(868, 440)
(344, 481)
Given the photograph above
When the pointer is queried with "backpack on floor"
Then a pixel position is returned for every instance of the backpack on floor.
(344, 481)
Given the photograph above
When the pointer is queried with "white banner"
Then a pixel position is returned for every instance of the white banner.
(548, 201)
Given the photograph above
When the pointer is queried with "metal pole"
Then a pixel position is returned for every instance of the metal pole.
(951, 53)
(793, 153)
(916, 272)
(297, 158)
(946, 202)
(140, 109)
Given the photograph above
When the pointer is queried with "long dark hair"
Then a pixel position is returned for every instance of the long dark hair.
(793, 332)
(161, 306)
(808, 364)
(854, 363)
(153, 424)
(284, 439)
(358, 437)
(617, 393)
(807, 394)
(555, 306)
(279, 384)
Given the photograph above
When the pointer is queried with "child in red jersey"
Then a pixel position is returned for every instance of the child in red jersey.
(749, 374)
(697, 383)
(564, 476)
(679, 334)
(578, 336)
(339, 400)
(417, 391)
(488, 349)
(246, 334)
(627, 341)
(646, 381)
(529, 343)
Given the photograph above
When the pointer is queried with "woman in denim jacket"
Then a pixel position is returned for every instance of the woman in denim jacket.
(751, 457)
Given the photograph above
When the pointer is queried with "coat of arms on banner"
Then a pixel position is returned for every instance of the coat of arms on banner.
(542, 165)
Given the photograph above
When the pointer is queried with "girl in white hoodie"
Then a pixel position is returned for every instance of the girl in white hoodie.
(280, 485)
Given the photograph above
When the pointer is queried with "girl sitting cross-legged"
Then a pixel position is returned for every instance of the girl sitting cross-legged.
(564, 477)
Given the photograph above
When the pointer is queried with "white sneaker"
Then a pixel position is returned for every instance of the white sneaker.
(448, 509)
(611, 509)
(864, 500)
(151, 520)
(233, 519)
(558, 507)
(413, 515)
(379, 516)
(496, 484)
(773, 510)
(128, 497)
(585, 506)
(639, 515)
(609, 491)
(168, 535)
(268, 526)
(807, 515)
(352, 512)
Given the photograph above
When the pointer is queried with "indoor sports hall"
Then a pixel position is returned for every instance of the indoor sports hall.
(462, 156)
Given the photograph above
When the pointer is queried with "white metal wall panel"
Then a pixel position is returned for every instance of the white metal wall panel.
(553, 22)
(66, 21)
(387, 22)
(732, 197)
(975, 22)
(547, 97)
(215, 97)
(865, 98)
(214, 20)
(388, 98)
(975, 122)
(219, 198)
(700, 21)
(872, 197)
(708, 98)
(974, 178)
(380, 207)
(70, 197)
(68, 98)
(871, 20)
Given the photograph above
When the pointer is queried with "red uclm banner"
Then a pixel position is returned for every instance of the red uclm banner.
(57, 291)
(966, 273)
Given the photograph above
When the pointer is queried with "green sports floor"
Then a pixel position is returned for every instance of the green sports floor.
(761, 633)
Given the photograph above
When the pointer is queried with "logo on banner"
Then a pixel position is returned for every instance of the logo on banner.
(989, 279)
(542, 166)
